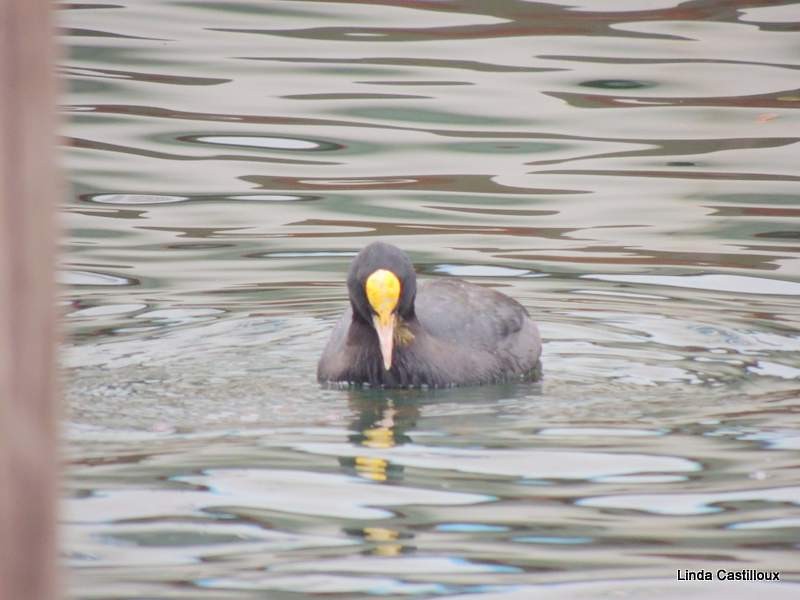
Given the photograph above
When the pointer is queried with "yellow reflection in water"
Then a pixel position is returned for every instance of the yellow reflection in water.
(375, 469)
(385, 540)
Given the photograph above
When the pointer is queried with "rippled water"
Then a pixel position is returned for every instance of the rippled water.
(627, 170)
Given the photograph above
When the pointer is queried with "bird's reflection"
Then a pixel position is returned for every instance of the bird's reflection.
(383, 541)
(383, 418)
(381, 422)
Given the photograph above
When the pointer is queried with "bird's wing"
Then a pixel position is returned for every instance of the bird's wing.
(464, 313)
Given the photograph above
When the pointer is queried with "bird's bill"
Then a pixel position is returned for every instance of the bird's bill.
(384, 326)
(383, 293)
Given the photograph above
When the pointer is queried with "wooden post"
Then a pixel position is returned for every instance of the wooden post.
(29, 188)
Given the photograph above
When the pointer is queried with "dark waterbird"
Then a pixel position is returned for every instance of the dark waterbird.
(441, 333)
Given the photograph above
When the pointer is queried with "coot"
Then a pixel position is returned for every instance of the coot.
(440, 333)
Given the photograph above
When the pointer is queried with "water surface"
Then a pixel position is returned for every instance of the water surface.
(626, 170)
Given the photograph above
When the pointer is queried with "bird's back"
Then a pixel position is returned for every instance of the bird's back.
(465, 313)
(471, 321)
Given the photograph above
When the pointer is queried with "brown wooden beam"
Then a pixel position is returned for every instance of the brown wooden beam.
(29, 188)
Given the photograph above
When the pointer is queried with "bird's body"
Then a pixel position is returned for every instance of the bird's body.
(445, 332)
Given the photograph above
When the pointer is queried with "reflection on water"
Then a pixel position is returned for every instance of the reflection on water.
(627, 170)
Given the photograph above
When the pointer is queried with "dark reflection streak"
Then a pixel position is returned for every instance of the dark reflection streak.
(355, 96)
(94, 145)
(522, 19)
(689, 557)
(626, 255)
(134, 76)
(194, 232)
(415, 83)
(550, 19)
(114, 213)
(482, 184)
(162, 113)
(678, 148)
(708, 175)
(77, 32)
(494, 211)
(781, 27)
(768, 247)
(196, 246)
(771, 398)
(111, 460)
(79, 5)
(753, 211)
(392, 229)
(780, 235)
(463, 32)
(615, 60)
(770, 100)
(105, 266)
(469, 65)
(369, 228)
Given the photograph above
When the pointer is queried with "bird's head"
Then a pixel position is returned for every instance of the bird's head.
(382, 286)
